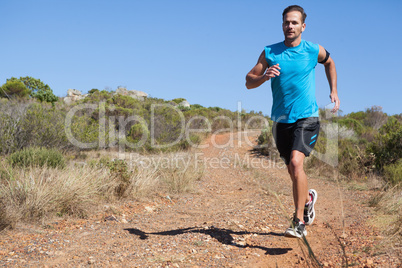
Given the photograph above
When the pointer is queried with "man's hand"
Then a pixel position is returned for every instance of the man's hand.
(334, 98)
(261, 72)
(272, 72)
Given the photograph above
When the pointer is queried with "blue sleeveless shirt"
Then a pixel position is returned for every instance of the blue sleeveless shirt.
(293, 91)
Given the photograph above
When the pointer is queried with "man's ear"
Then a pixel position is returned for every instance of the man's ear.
(303, 27)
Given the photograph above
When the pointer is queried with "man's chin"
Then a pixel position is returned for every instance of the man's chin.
(290, 39)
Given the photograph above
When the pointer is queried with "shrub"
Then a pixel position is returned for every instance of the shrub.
(375, 117)
(350, 160)
(393, 173)
(97, 96)
(43, 126)
(387, 146)
(12, 134)
(119, 170)
(266, 144)
(351, 123)
(28, 124)
(93, 91)
(359, 116)
(45, 95)
(85, 130)
(215, 108)
(14, 88)
(37, 157)
(196, 106)
(36, 88)
(178, 100)
(167, 125)
(138, 132)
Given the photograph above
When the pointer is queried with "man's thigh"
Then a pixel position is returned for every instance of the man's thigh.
(305, 135)
(283, 136)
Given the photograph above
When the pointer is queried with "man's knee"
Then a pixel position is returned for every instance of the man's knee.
(296, 163)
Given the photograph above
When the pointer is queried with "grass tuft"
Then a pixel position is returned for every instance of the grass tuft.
(33, 192)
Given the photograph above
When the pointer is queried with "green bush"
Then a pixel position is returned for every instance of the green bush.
(167, 125)
(100, 163)
(351, 158)
(37, 157)
(178, 100)
(351, 124)
(12, 133)
(85, 129)
(393, 172)
(265, 141)
(36, 88)
(31, 123)
(387, 146)
(138, 132)
(120, 171)
(14, 88)
(93, 91)
(196, 106)
(43, 126)
(359, 116)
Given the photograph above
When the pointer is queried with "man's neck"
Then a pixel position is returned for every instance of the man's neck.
(292, 43)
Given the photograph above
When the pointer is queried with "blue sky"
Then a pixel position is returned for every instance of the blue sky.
(199, 50)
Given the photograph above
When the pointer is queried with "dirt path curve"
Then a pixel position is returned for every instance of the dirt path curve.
(232, 219)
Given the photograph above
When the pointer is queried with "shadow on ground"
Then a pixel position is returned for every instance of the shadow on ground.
(224, 236)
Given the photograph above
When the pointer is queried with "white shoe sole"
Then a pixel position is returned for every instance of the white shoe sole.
(313, 210)
(291, 233)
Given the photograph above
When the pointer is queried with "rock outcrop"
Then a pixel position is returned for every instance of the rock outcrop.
(136, 94)
(185, 104)
(73, 95)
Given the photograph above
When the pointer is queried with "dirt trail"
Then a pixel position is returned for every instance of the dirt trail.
(232, 219)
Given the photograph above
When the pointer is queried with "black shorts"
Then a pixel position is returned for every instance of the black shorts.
(301, 136)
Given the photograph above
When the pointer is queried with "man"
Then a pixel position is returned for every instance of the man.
(290, 65)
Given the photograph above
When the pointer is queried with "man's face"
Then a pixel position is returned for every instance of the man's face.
(292, 25)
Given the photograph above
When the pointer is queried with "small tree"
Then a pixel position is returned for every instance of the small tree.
(37, 88)
(14, 88)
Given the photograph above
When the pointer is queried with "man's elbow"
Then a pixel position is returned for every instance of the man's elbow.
(248, 83)
(329, 62)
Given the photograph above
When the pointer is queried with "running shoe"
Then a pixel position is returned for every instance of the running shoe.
(297, 229)
(309, 212)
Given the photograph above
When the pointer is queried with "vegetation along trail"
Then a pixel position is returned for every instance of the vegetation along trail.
(235, 216)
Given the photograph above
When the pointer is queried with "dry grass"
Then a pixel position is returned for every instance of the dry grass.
(34, 193)
(177, 171)
(389, 204)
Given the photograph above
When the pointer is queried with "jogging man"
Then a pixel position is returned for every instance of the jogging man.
(290, 65)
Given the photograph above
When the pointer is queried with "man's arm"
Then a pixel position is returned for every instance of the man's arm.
(330, 71)
(256, 77)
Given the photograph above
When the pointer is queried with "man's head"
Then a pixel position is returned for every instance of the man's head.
(295, 8)
(293, 23)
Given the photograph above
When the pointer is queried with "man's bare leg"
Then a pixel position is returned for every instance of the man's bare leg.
(299, 180)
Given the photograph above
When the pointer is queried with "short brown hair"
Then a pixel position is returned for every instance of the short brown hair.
(295, 8)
